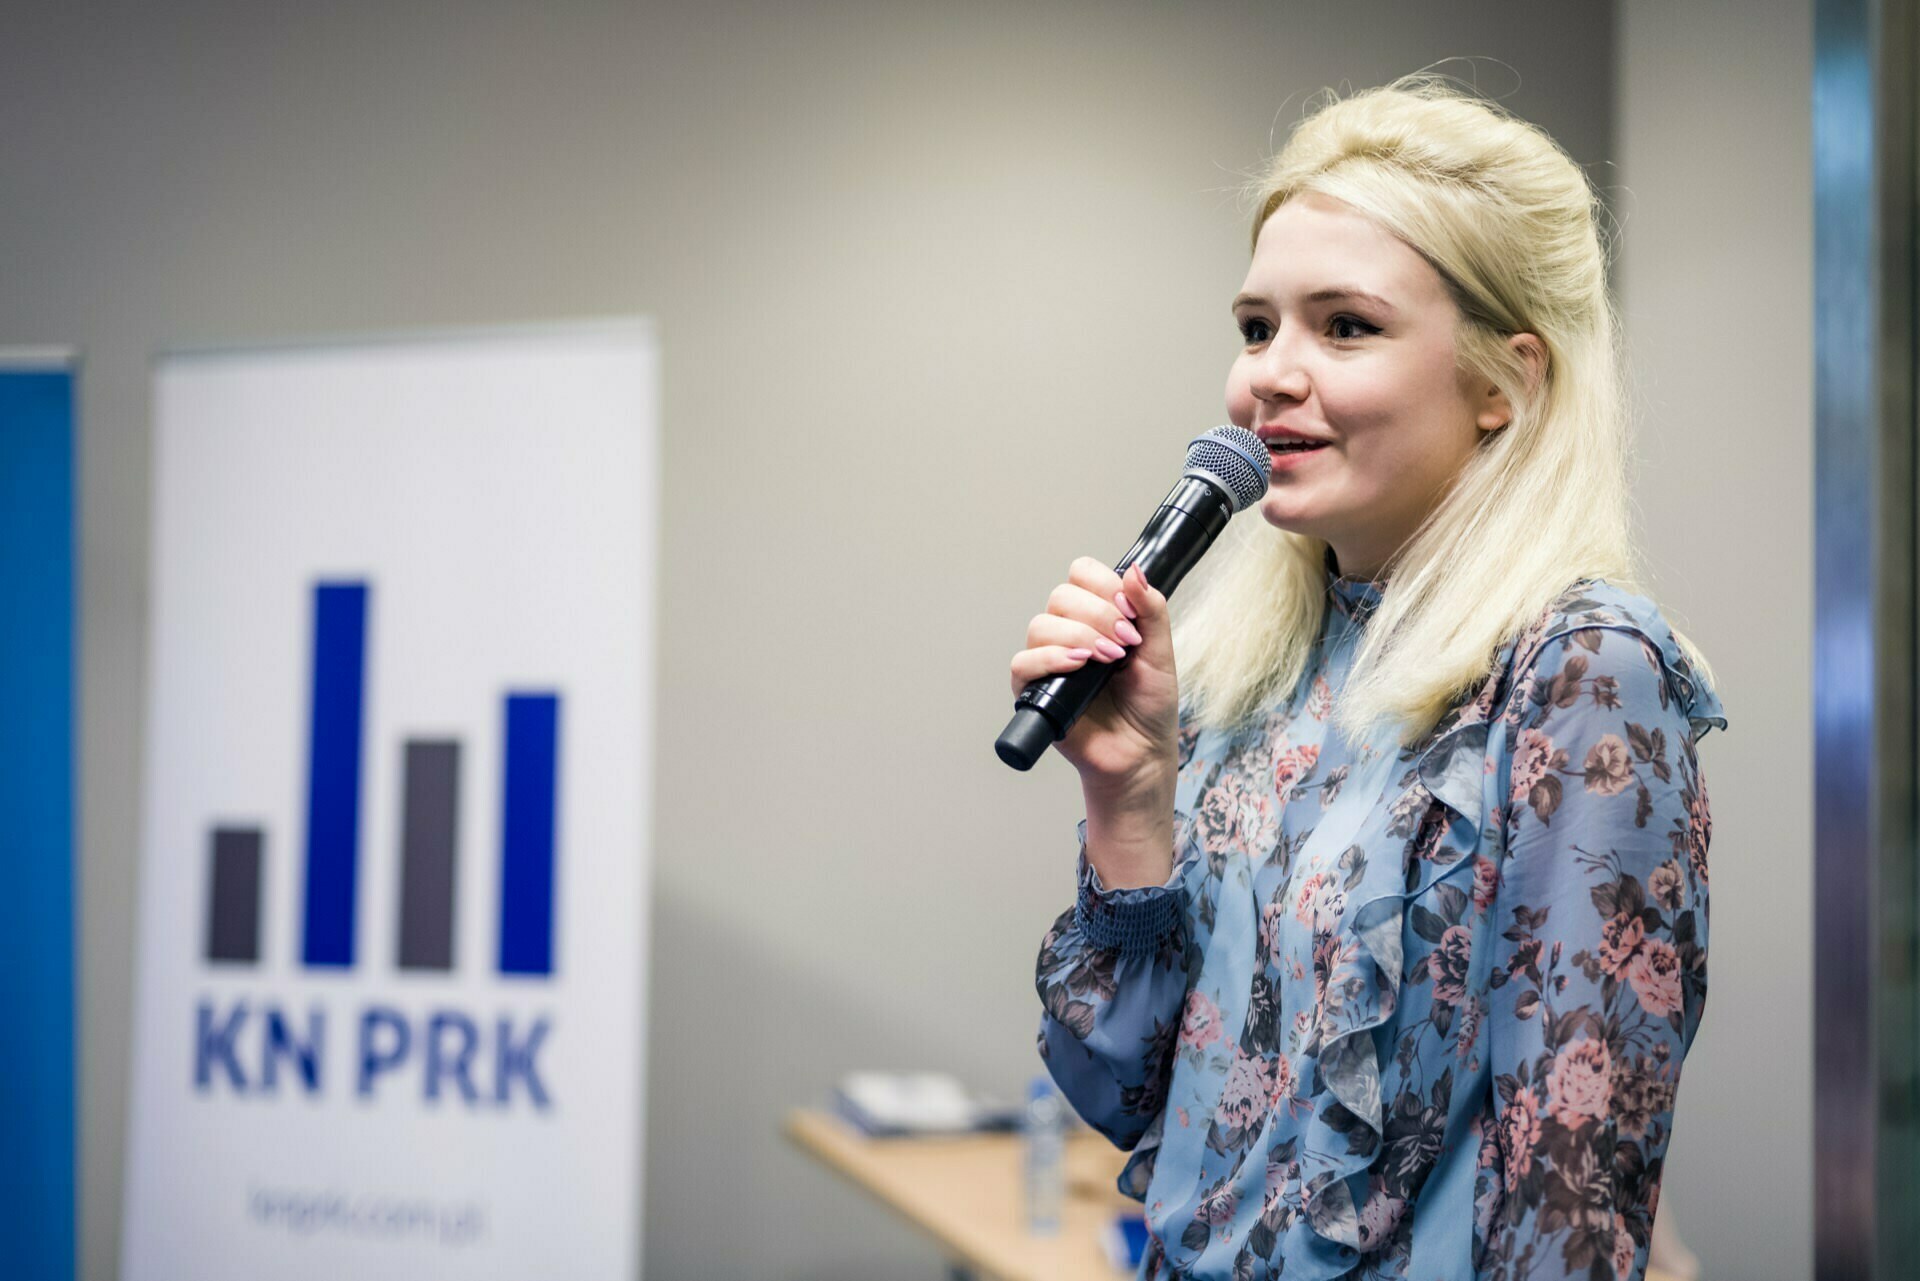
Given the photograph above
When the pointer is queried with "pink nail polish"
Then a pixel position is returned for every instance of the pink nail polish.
(1128, 634)
(1124, 605)
(1108, 649)
(1079, 653)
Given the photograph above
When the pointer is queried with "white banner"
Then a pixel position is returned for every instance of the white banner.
(393, 898)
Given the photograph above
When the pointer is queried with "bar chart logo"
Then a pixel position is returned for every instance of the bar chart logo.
(250, 1047)
(429, 824)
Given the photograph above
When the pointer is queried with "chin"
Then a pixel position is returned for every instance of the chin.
(1280, 518)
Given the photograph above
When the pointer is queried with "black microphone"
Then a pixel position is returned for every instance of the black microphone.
(1226, 473)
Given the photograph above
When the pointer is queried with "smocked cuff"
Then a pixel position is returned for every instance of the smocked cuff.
(1132, 922)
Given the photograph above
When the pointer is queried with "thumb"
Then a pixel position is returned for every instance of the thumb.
(1156, 628)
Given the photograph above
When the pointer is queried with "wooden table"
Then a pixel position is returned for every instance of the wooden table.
(967, 1192)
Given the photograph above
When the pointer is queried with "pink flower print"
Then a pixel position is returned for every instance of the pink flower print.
(1699, 829)
(1248, 1090)
(1486, 882)
(1655, 976)
(1292, 766)
(1320, 701)
(1609, 766)
(1532, 758)
(1466, 1028)
(1270, 918)
(1668, 886)
(1218, 1205)
(1378, 1217)
(1624, 1249)
(1282, 1081)
(1451, 960)
(1200, 1023)
(1182, 1114)
(1320, 903)
(1620, 940)
(1218, 819)
(1519, 1135)
(1303, 901)
(1580, 1083)
(1523, 697)
(1253, 810)
(1302, 1028)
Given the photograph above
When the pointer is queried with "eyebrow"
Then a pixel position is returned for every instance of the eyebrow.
(1334, 293)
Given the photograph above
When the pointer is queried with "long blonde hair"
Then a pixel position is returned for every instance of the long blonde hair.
(1510, 223)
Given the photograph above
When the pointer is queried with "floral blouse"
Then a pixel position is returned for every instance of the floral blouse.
(1409, 1012)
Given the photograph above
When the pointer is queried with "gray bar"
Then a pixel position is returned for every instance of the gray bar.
(429, 831)
(233, 895)
(1866, 1043)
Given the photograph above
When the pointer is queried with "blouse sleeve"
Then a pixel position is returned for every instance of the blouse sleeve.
(1600, 976)
(1111, 977)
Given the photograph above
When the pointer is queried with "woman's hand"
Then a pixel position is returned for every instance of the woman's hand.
(1123, 745)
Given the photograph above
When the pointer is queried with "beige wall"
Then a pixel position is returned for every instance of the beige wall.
(900, 259)
(1717, 275)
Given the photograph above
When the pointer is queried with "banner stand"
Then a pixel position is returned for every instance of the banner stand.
(37, 538)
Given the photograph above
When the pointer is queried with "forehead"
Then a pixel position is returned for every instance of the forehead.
(1313, 241)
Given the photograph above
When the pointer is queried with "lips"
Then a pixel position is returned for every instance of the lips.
(1286, 435)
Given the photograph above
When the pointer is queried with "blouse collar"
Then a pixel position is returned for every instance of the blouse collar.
(1355, 598)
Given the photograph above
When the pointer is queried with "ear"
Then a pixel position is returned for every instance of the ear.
(1495, 410)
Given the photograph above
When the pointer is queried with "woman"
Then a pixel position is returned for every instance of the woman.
(1392, 915)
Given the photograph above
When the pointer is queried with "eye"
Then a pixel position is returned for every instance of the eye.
(1255, 330)
(1361, 327)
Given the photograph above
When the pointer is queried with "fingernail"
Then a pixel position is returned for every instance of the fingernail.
(1077, 654)
(1108, 649)
(1126, 631)
(1124, 605)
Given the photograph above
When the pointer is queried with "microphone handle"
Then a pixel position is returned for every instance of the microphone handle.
(1190, 517)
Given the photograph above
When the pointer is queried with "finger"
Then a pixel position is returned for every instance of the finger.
(1083, 605)
(1142, 594)
(1051, 629)
(1153, 623)
(1047, 660)
(1094, 575)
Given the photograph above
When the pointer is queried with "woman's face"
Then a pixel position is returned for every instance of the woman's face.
(1372, 379)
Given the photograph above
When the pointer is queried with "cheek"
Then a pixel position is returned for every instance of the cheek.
(1240, 402)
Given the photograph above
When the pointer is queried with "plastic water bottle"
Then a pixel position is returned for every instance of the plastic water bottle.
(1046, 1129)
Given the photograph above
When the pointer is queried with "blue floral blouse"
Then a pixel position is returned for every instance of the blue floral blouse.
(1409, 1012)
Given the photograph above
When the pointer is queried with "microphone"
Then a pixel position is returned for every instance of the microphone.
(1226, 473)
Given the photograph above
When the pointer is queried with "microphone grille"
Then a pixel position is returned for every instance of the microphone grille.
(1234, 459)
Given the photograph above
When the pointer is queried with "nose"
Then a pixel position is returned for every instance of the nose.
(1277, 372)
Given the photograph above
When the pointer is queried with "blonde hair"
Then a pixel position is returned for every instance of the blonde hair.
(1510, 223)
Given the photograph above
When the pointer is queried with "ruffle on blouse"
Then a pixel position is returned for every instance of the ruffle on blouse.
(1449, 766)
(1603, 605)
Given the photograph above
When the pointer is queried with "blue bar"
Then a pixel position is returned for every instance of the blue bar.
(526, 834)
(333, 777)
(36, 798)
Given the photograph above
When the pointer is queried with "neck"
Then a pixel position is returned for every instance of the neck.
(1356, 572)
